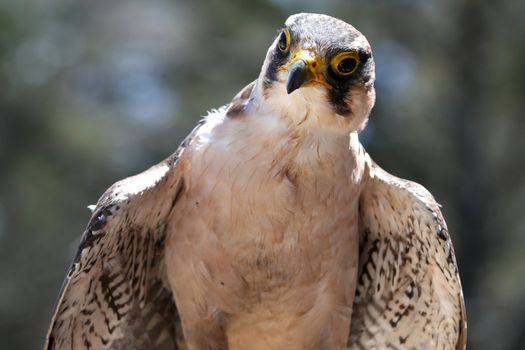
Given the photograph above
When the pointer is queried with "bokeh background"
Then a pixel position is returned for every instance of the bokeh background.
(94, 91)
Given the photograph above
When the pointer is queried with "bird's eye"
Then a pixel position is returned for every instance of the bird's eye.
(345, 63)
(284, 41)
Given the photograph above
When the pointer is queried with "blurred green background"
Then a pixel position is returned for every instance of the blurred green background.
(94, 91)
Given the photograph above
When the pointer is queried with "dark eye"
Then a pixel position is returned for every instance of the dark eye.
(284, 41)
(345, 63)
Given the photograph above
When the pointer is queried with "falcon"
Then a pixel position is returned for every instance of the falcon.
(270, 227)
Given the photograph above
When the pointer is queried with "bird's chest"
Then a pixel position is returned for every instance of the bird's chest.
(259, 226)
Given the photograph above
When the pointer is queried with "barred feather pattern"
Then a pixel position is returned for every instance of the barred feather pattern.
(409, 294)
(115, 295)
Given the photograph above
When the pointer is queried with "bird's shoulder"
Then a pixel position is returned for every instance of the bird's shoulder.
(240, 102)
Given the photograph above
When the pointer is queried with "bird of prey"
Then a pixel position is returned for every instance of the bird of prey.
(270, 227)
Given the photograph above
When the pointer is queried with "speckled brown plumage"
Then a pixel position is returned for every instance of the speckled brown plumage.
(115, 295)
(409, 294)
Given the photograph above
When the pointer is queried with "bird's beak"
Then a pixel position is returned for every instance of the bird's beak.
(303, 69)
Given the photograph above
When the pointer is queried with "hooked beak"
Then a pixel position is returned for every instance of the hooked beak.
(303, 69)
(298, 75)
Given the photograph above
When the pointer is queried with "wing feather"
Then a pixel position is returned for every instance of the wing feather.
(409, 293)
(114, 295)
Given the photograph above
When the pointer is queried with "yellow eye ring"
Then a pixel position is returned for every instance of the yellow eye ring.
(345, 63)
(284, 41)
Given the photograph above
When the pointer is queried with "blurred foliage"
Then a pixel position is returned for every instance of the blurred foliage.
(94, 91)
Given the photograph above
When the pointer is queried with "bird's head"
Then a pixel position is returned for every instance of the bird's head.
(319, 68)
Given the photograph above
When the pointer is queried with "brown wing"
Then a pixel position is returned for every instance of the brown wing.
(409, 294)
(115, 296)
